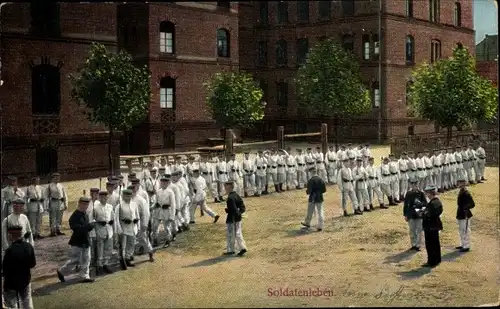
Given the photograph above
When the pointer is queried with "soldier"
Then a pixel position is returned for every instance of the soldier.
(445, 161)
(320, 164)
(360, 178)
(104, 216)
(345, 181)
(465, 203)
(331, 165)
(395, 175)
(453, 168)
(385, 181)
(10, 193)
(428, 168)
(235, 174)
(185, 212)
(373, 186)
(421, 170)
(200, 196)
(310, 162)
(412, 167)
(113, 197)
(474, 164)
(151, 185)
(58, 199)
(248, 175)
(316, 187)
(341, 153)
(481, 155)
(301, 169)
(94, 195)
(164, 212)
(235, 207)
(16, 218)
(436, 170)
(178, 194)
(207, 172)
(260, 173)
(126, 219)
(271, 171)
(432, 224)
(143, 223)
(281, 170)
(291, 170)
(413, 203)
(459, 159)
(35, 201)
(403, 175)
(178, 166)
(366, 152)
(222, 176)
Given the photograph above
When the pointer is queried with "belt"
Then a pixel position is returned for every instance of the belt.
(319, 162)
(205, 173)
(420, 169)
(247, 171)
(310, 163)
(290, 166)
(151, 192)
(345, 180)
(233, 170)
(413, 169)
(57, 199)
(371, 177)
(361, 180)
(36, 200)
(394, 173)
(437, 165)
(222, 173)
(300, 164)
(386, 175)
(258, 167)
(166, 206)
(280, 165)
(403, 171)
(274, 166)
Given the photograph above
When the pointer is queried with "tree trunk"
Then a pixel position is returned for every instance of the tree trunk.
(448, 135)
(336, 138)
(110, 151)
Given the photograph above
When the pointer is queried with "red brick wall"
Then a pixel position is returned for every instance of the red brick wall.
(488, 70)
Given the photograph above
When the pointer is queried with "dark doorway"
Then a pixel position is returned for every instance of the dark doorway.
(46, 161)
(169, 139)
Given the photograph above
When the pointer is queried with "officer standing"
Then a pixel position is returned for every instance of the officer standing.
(432, 224)
(316, 187)
(465, 203)
(235, 207)
(413, 202)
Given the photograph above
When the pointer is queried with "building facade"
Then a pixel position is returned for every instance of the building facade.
(388, 39)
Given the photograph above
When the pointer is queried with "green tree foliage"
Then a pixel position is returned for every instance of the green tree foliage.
(234, 100)
(451, 93)
(329, 83)
(114, 91)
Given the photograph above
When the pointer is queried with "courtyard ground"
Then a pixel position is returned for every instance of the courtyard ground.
(358, 261)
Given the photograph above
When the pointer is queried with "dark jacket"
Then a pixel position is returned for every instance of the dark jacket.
(464, 202)
(18, 261)
(431, 220)
(79, 223)
(315, 188)
(235, 207)
(413, 200)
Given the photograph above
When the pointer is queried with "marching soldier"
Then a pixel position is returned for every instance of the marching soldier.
(341, 153)
(366, 153)
(360, 178)
(222, 176)
(394, 170)
(113, 196)
(234, 169)
(432, 224)
(301, 169)
(174, 218)
(331, 162)
(143, 223)
(412, 166)
(281, 171)
(104, 216)
(151, 184)
(185, 207)
(10, 193)
(385, 181)
(164, 212)
(94, 196)
(58, 199)
(260, 173)
(320, 164)
(16, 218)
(316, 187)
(346, 187)
(373, 186)
(459, 159)
(235, 207)
(403, 175)
(291, 170)
(248, 175)
(310, 162)
(126, 219)
(414, 201)
(465, 203)
(200, 197)
(35, 202)
(481, 155)
(178, 166)
(207, 172)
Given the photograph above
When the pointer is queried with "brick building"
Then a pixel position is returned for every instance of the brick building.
(43, 130)
(276, 35)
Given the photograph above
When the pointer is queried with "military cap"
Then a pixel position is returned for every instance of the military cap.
(164, 178)
(196, 170)
(458, 147)
(134, 180)
(179, 157)
(348, 144)
(154, 170)
(391, 155)
(345, 159)
(110, 183)
(312, 169)
(246, 152)
(420, 151)
(367, 145)
(35, 177)
(18, 201)
(359, 159)
(229, 183)
(127, 192)
(94, 190)
(132, 175)
(259, 151)
(130, 187)
(318, 147)
(385, 159)
(404, 153)
(298, 149)
(413, 179)
(14, 228)
(162, 168)
(371, 158)
(84, 199)
(12, 178)
(430, 188)
(191, 158)
(309, 148)
(435, 149)
(56, 174)
(460, 178)
(103, 192)
(410, 152)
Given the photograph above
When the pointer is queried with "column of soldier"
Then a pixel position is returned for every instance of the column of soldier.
(168, 192)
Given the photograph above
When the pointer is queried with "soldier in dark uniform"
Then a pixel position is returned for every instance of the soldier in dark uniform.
(432, 225)
(465, 203)
(234, 209)
(413, 202)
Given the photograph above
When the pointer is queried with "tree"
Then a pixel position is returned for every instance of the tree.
(114, 91)
(451, 93)
(234, 100)
(329, 84)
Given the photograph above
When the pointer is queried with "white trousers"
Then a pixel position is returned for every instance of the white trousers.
(318, 207)
(481, 164)
(362, 197)
(104, 250)
(323, 174)
(403, 186)
(35, 219)
(477, 172)
(203, 206)
(386, 189)
(77, 256)
(55, 215)
(415, 227)
(260, 182)
(272, 178)
(291, 179)
(301, 178)
(249, 183)
(349, 194)
(235, 237)
(332, 175)
(144, 242)
(374, 189)
(395, 186)
(128, 245)
(464, 232)
(10, 297)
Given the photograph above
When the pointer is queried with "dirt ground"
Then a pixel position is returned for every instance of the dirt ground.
(354, 261)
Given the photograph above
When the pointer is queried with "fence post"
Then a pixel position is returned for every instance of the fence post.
(281, 137)
(324, 137)
(229, 143)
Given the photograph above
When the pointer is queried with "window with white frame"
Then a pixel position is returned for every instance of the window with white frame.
(376, 45)
(167, 37)
(167, 93)
(366, 47)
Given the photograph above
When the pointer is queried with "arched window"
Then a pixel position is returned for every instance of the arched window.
(167, 93)
(348, 42)
(376, 94)
(223, 43)
(281, 53)
(46, 161)
(457, 15)
(434, 10)
(366, 46)
(167, 37)
(435, 50)
(409, 8)
(410, 49)
(45, 90)
(282, 12)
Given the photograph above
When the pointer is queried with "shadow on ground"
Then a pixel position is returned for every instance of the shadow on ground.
(414, 273)
(452, 256)
(400, 257)
(300, 232)
(211, 261)
(54, 287)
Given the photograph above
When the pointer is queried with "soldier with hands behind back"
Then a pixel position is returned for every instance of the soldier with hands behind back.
(414, 201)
(465, 203)
(432, 224)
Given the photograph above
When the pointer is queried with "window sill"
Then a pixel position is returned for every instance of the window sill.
(167, 55)
(410, 63)
(302, 22)
(225, 60)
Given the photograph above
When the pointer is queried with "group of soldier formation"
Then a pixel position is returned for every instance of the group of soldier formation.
(168, 193)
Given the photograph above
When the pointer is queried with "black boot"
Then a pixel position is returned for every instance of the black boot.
(276, 188)
(221, 199)
(129, 263)
(245, 194)
(346, 214)
(99, 271)
(371, 207)
(216, 200)
(391, 201)
(265, 190)
(382, 206)
(107, 269)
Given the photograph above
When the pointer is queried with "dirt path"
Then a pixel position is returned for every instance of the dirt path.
(355, 261)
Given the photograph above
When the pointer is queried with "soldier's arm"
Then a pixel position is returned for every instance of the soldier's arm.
(5, 240)
(28, 230)
(65, 196)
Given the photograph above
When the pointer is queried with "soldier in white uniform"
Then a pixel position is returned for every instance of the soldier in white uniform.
(10, 193)
(281, 171)
(222, 176)
(331, 165)
(341, 153)
(453, 168)
(437, 170)
(310, 162)
(345, 181)
(373, 186)
(184, 202)
(464, 169)
(248, 170)
(57, 199)
(474, 164)
(260, 173)
(428, 168)
(301, 169)
(104, 215)
(320, 164)
(35, 206)
(16, 218)
(459, 159)
(385, 179)
(143, 223)
(395, 175)
(94, 196)
(271, 171)
(207, 171)
(151, 184)
(126, 220)
(367, 154)
(235, 172)
(200, 197)
(421, 171)
(360, 180)
(164, 212)
(403, 175)
(291, 170)
(481, 156)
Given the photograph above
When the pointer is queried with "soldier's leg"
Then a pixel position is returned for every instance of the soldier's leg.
(230, 237)
(412, 229)
(100, 251)
(379, 194)
(207, 209)
(32, 219)
(321, 215)
(366, 199)
(354, 200)
(130, 242)
(53, 211)
(309, 214)
(107, 250)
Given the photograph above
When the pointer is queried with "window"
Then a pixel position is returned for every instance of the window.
(45, 90)
(409, 8)
(376, 94)
(411, 130)
(302, 49)
(263, 12)
(435, 50)
(281, 53)
(376, 46)
(303, 11)
(348, 42)
(222, 43)
(434, 11)
(45, 18)
(262, 53)
(167, 37)
(282, 95)
(167, 93)
(282, 12)
(366, 46)
(325, 9)
(347, 8)
(46, 161)
(224, 4)
(457, 15)
(410, 49)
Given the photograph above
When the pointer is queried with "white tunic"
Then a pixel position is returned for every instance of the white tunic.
(222, 175)
(33, 195)
(143, 208)
(104, 213)
(199, 185)
(260, 166)
(16, 220)
(57, 191)
(291, 165)
(360, 175)
(126, 211)
(345, 179)
(166, 197)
